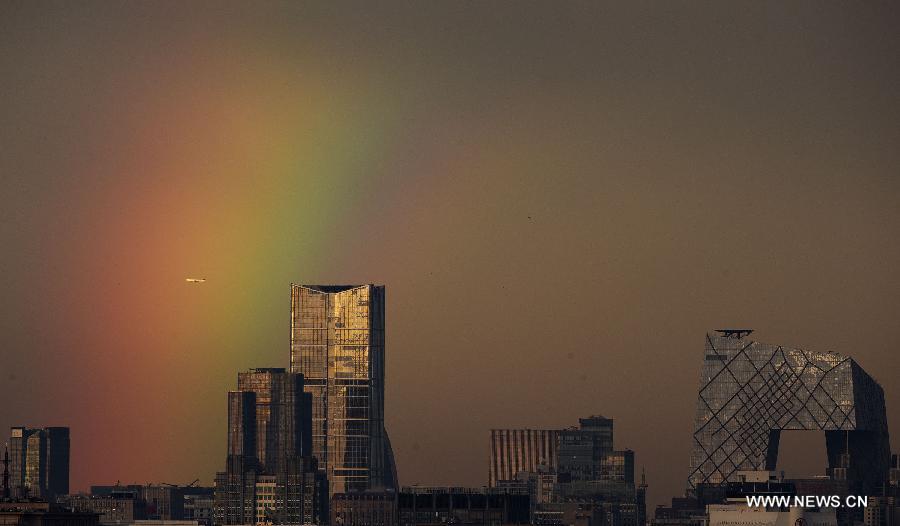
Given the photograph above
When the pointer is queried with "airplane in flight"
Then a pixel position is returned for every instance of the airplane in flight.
(195, 280)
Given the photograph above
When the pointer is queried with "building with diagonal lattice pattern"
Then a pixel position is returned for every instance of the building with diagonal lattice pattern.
(750, 392)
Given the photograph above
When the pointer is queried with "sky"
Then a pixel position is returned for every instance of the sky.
(561, 198)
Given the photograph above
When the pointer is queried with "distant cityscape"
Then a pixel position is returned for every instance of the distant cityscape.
(307, 444)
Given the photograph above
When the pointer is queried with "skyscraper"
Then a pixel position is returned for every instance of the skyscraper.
(269, 474)
(586, 452)
(337, 343)
(750, 392)
(39, 461)
(282, 414)
(242, 423)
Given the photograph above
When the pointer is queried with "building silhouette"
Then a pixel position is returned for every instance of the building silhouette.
(156, 502)
(586, 453)
(119, 506)
(337, 343)
(282, 415)
(569, 474)
(750, 392)
(437, 505)
(29, 512)
(39, 462)
(270, 477)
(364, 508)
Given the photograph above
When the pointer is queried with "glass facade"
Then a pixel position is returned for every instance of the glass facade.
(35, 453)
(242, 423)
(39, 462)
(281, 408)
(270, 477)
(56, 475)
(337, 343)
(751, 391)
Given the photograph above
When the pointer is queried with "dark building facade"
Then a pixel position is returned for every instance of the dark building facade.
(282, 416)
(42, 513)
(585, 453)
(269, 476)
(199, 504)
(116, 508)
(751, 391)
(337, 343)
(235, 494)
(364, 508)
(39, 462)
(155, 501)
(570, 514)
(242, 423)
(423, 506)
(163, 502)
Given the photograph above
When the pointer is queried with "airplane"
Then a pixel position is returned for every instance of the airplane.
(195, 280)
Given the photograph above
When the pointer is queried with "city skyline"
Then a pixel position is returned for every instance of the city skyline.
(561, 199)
(536, 451)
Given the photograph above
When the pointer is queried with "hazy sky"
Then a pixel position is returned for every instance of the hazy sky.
(561, 198)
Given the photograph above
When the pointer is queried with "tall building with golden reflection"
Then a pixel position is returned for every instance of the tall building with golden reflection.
(337, 343)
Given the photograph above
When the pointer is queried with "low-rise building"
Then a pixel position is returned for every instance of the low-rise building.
(364, 508)
(198, 505)
(33, 512)
(422, 506)
(115, 509)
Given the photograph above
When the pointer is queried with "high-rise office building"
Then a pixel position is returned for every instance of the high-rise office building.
(242, 424)
(269, 474)
(337, 343)
(521, 450)
(641, 501)
(575, 466)
(282, 411)
(6, 492)
(39, 462)
(750, 392)
(582, 451)
(576, 451)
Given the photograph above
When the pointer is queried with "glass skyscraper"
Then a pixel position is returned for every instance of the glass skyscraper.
(282, 411)
(750, 392)
(269, 475)
(337, 343)
(39, 462)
